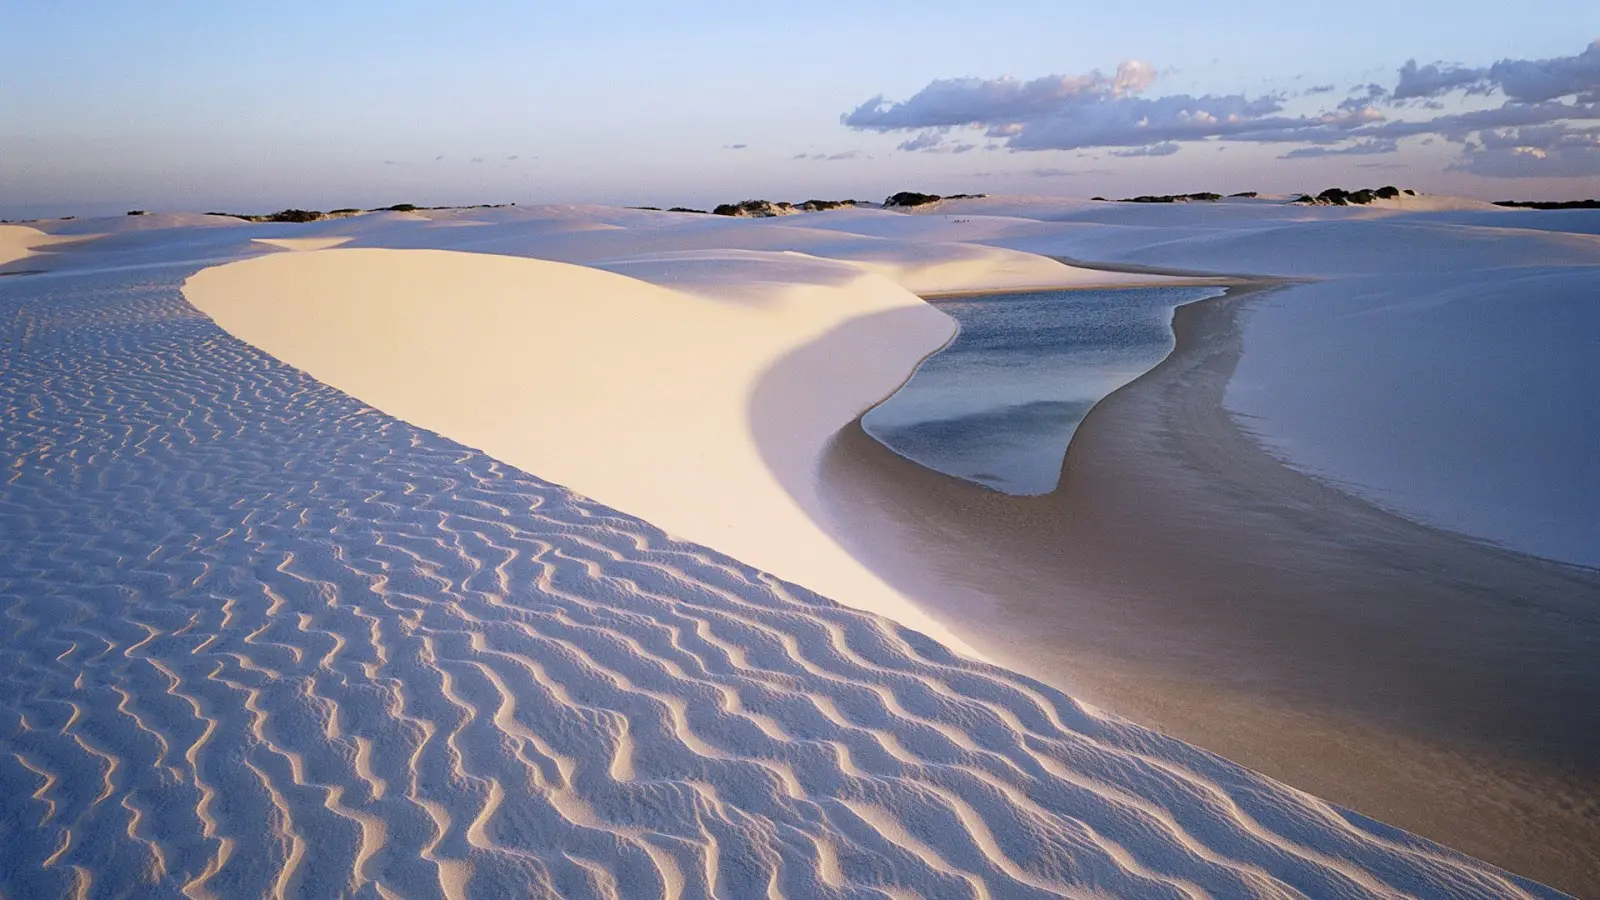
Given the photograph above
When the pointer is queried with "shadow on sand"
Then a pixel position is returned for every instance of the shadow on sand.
(1183, 578)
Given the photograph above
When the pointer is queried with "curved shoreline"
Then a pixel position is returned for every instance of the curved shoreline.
(1117, 334)
(1184, 578)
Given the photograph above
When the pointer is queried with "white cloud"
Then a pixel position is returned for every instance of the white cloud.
(927, 140)
(1164, 149)
(1359, 148)
(1549, 151)
(966, 101)
(1433, 79)
(1060, 112)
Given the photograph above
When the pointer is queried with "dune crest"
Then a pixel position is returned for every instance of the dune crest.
(631, 393)
(20, 242)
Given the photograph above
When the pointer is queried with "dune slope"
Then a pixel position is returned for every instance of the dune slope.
(20, 242)
(634, 394)
(265, 640)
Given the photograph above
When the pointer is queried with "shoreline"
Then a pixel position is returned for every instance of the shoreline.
(1182, 280)
(1182, 577)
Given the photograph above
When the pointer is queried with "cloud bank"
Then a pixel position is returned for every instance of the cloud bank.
(1529, 133)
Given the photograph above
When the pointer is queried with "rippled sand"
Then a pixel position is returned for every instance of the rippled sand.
(264, 640)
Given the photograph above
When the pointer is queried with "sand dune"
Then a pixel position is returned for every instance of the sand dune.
(1491, 372)
(325, 628)
(634, 394)
(265, 640)
(20, 242)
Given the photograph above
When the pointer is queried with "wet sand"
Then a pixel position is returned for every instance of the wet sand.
(1183, 578)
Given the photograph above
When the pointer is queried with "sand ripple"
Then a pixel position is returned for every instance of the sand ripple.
(262, 640)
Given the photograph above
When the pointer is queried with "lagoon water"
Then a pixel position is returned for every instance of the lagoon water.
(999, 405)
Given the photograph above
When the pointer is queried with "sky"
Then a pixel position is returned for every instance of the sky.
(161, 104)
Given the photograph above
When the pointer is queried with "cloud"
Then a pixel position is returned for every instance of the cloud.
(1521, 80)
(1433, 79)
(1164, 149)
(965, 101)
(1067, 173)
(1319, 89)
(1543, 151)
(832, 157)
(1457, 127)
(1547, 79)
(735, 146)
(1061, 112)
(1360, 148)
(934, 142)
(1094, 110)
(927, 140)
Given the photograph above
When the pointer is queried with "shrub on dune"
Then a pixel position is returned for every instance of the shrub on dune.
(907, 199)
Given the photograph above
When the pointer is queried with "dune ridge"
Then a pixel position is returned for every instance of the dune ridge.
(264, 640)
(633, 393)
(20, 242)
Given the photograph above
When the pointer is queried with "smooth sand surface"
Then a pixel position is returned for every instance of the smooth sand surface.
(301, 244)
(265, 640)
(1475, 406)
(20, 242)
(1182, 577)
(631, 393)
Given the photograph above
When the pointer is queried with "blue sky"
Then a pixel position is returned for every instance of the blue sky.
(197, 105)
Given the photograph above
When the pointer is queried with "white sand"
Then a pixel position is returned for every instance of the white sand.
(1475, 406)
(661, 424)
(267, 640)
(20, 242)
(300, 244)
(630, 393)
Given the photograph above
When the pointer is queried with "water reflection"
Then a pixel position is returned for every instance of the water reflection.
(1000, 404)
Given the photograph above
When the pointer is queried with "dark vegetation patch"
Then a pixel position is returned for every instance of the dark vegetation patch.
(1549, 204)
(1201, 197)
(756, 209)
(312, 215)
(908, 199)
(823, 205)
(1341, 197)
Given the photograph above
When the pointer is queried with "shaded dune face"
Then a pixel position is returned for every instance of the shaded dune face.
(261, 639)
